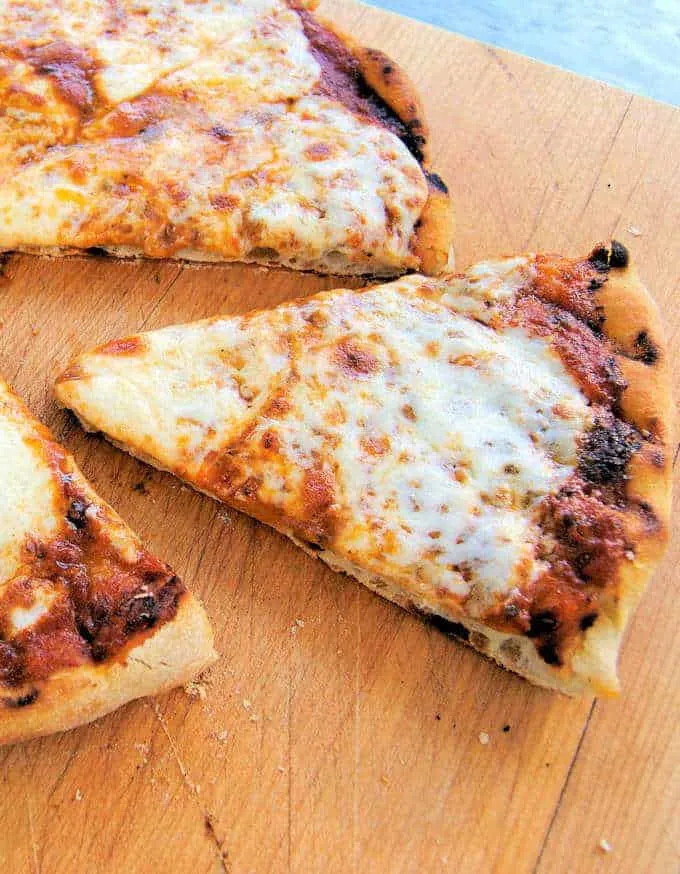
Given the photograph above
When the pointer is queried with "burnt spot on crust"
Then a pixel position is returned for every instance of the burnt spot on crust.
(544, 628)
(587, 621)
(447, 626)
(606, 450)
(70, 68)
(548, 651)
(599, 258)
(603, 258)
(645, 349)
(76, 513)
(22, 700)
(437, 182)
(545, 622)
(342, 80)
(619, 255)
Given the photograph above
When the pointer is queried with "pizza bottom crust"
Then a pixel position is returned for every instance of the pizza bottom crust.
(175, 653)
(592, 668)
(334, 264)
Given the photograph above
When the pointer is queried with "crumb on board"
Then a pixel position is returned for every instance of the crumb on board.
(633, 231)
(196, 690)
(300, 623)
(605, 846)
(79, 795)
(143, 748)
(246, 703)
(385, 779)
(281, 769)
(506, 728)
(484, 737)
(223, 735)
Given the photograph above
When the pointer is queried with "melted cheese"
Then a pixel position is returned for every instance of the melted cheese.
(436, 432)
(209, 137)
(29, 502)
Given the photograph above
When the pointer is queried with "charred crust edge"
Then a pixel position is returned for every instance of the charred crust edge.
(436, 181)
(22, 700)
(615, 257)
(606, 450)
(451, 629)
(646, 350)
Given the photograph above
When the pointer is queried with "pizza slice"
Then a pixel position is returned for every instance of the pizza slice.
(88, 618)
(490, 449)
(248, 131)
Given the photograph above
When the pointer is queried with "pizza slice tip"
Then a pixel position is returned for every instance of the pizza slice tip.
(89, 619)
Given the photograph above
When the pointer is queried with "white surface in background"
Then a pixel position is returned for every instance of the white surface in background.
(634, 45)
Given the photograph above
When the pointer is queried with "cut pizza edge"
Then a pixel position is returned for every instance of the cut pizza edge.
(633, 323)
(390, 81)
(157, 655)
(432, 241)
(172, 656)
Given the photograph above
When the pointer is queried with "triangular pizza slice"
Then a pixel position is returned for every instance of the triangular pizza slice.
(490, 449)
(249, 131)
(89, 619)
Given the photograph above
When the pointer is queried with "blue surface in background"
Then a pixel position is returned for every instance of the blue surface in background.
(635, 45)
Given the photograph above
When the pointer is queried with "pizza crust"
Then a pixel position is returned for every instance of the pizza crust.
(172, 655)
(435, 228)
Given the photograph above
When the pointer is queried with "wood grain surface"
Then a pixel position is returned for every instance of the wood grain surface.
(338, 734)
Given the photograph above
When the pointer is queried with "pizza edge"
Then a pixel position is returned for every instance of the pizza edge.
(646, 402)
(432, 239)
(152, 661)
(175, 653)
(436, 226)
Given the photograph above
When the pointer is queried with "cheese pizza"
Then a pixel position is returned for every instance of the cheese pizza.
(212, 131)
(88, 618)
(489, 449)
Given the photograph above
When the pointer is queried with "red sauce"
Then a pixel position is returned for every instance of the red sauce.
(341, 80)
(585, 355)
(100, 604)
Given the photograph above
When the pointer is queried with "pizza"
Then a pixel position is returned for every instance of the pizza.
(89, 619)
(210, 131)
(488, 449)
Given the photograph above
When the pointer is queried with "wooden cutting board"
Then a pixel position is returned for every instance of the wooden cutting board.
(338, 734)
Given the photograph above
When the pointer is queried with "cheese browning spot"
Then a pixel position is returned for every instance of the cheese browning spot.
(126, 346)
(354, 360)
(70, 68)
